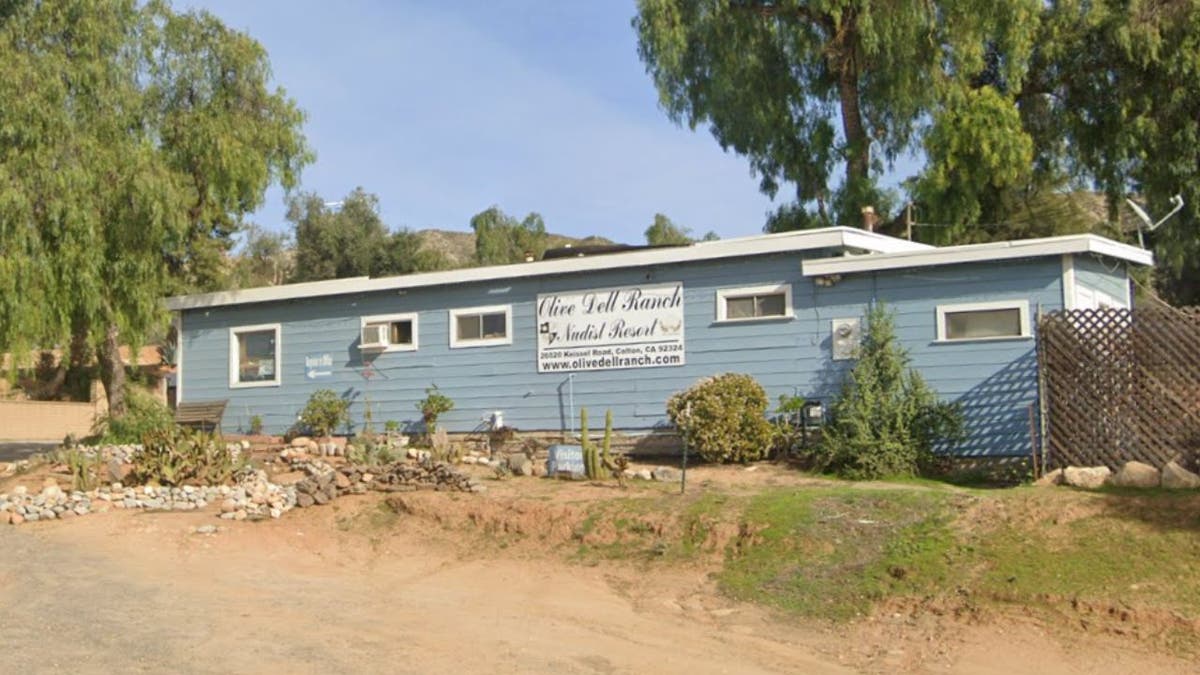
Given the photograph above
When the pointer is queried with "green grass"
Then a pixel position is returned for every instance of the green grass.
(833, 552)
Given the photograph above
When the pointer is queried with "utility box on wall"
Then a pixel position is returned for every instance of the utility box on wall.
(846, 336)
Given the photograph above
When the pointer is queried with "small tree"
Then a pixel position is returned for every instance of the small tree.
(886, 420)
(433, 406)
(325, 412)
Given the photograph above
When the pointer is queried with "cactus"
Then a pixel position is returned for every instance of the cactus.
(591, 459)
(606, 446)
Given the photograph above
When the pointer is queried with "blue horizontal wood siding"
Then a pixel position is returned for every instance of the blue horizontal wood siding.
(993, 380)
(1103, 274)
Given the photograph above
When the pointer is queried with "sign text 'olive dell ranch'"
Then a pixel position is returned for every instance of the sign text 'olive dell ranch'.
(611, 328)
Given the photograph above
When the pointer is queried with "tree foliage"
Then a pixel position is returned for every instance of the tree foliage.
(501, 239)
(132, 140)
(1011, 103)
(886, 420)
(335, 241)
(799, 87)
(663, 232)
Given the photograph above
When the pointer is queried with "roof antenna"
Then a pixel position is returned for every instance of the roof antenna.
(1151, 226)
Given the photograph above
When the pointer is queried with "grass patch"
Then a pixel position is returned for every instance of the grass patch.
(833, 552)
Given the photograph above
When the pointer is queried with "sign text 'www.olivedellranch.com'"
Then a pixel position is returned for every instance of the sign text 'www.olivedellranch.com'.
(627, 327)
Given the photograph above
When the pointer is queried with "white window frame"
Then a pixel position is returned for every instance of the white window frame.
(453, 314)
(1021, 305)
(234, 363)
(388, 319)
(724, 294)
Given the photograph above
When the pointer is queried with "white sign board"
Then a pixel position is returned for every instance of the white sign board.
(611, 328)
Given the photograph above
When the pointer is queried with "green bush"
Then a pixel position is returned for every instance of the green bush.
(886, 420)
(256, 425)
(144, 415)
(723, 418)
(177, 456)
(433, 406)
(325, 412)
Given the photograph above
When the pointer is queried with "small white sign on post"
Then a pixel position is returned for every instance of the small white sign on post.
(611, 328)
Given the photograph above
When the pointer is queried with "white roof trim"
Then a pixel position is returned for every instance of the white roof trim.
(1000, 250)
(830, 237)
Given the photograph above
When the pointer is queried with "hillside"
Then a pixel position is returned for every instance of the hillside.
(459, 247)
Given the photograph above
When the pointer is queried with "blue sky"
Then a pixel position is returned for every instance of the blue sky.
(444, 109)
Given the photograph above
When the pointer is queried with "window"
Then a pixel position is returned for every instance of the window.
(254, 356)
(758, 302)
(481, 326)
(400, 330)
(983, 321)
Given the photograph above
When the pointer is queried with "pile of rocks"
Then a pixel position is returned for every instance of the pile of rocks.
(253, 496)
(326, 483)
(1132, 474)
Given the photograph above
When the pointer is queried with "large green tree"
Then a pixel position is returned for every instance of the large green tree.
(501, 239)
(349, 239)
(800, 87)
(664, 232)
(132, 140)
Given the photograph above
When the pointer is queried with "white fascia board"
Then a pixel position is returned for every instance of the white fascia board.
(800, 240)
(1002, 250)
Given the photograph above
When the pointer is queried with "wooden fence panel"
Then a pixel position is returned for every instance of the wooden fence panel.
(1121, 385)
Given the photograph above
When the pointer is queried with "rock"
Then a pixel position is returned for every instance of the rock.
(1089, 478)
(470, 459)
(520, 464)
(20, 490)
(228, 516)
(1136, 475)
(320, 497)
(47, 514)
(1176, 477)
(67, 515)
(340, 480)
(245, 444)
(15, 518)
(367, 478)
(1055, 477)
(304, 500)
(52, 491)
(206, 529)
(666, 474)
(118, 471)
(239, 515)
(301, 442)
(229, 506)
(644, 474)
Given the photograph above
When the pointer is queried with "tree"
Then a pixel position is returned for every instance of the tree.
(350, 239)
(132, 140)
(266, 259)
(663, 232)
(799, 87)
(501, 239)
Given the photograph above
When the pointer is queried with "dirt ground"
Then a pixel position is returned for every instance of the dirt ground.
(332, 590)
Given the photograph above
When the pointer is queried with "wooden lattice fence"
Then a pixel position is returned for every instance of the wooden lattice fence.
(1121, 385)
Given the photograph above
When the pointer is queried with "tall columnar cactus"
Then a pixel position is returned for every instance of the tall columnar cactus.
(605, 454)
(591, 458)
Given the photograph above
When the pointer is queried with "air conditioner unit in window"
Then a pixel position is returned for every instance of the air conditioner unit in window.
(374, 337)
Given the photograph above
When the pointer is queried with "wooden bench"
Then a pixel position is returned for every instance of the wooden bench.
(203, 415)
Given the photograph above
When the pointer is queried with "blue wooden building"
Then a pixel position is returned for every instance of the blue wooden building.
(534, 342)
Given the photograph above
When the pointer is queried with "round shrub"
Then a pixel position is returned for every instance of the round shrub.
(726, 420)
(325, 412)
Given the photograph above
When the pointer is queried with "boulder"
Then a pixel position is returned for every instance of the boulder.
(666, 474)
(340, 480)
(1087, 477)
(1176, 477)
(301, 442)
(520, 464)
(304, 501)
(1136, 475)
(1055, 477)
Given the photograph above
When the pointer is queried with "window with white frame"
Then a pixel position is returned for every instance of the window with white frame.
(754, 302)
(254, 356)
(390, 332)
(1004, 319)
(481, 326)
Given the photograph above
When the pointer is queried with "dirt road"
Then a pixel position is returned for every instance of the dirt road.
(142, 592)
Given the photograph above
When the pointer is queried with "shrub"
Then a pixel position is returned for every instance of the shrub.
(325, 412)
(144, 415)
(433, 406)
(177, 456)
(371, 451)
(723, 418)
(256, 425)
(886, 420)
(85, 467)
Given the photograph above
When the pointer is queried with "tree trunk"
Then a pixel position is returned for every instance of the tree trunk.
(112, 371)
(858, 145)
